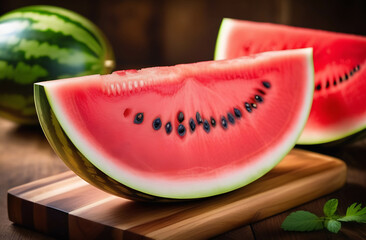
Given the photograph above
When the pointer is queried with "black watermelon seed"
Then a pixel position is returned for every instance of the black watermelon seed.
(351, 72)
(180, 117)
(181, 130)
(261, 91)
(192, 125)
(237, 113)
(213, 122)
(168, 127)
(139, 118)
(247, 107)
(357, 67)
(340, 79)
(254, 105)
(266, 84)
(318, 87)
(258, 98)
(334, 82)
(231, 118)
(327, 84)
(223, 122)
(198, 118)
(346, 76)
(206, 126)
(157, 124)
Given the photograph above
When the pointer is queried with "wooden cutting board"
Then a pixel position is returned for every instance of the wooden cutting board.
(66, 206)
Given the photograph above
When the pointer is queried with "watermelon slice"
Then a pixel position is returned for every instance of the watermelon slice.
(339, 106)
(180, 132)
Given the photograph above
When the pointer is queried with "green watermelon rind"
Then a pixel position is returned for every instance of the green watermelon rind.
(13, 55)
(331, 138)
(335, 139)
(73, 158)
(73, 17)
(221, 40)
(171, 190)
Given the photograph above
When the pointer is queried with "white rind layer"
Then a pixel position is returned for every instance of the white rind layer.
(221, 183)
(312, 135)
(225, 28)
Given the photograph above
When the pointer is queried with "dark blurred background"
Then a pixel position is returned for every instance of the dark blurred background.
(164, 32)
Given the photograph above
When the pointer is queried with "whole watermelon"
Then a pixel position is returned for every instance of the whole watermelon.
(39, 43)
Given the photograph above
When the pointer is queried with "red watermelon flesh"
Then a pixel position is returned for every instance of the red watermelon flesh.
(111, 119)
(339, 105)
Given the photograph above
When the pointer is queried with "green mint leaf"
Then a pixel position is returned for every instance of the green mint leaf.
(355, 213)
(330, 207)
(362, 211)
(332, 225)
(354, 218)
(353, 209)
(302, 221)
(307, 221)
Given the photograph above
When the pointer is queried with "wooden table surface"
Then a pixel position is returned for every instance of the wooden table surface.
(25, 155)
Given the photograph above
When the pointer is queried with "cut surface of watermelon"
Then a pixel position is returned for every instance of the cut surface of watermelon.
(339, 105)
(180, 132)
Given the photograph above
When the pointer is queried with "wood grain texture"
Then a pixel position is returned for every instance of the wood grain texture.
(82, 211)
(353, 191)
(25, 156)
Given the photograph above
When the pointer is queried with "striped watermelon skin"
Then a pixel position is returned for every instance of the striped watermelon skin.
(39, 43)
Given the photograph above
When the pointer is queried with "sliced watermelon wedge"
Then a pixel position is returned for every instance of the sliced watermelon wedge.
(181, 132)
(339, 106)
